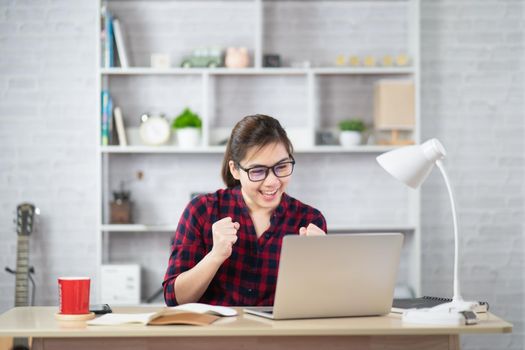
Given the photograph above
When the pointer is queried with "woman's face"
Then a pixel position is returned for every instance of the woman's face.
(265, 194)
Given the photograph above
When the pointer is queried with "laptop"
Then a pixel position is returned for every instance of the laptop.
(336, 275)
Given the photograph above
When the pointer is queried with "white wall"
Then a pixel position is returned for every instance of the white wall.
(47, 148)
(473, 100)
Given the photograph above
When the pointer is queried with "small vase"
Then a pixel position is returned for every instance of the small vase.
(237, 57)
(188, 137)
(349, 138)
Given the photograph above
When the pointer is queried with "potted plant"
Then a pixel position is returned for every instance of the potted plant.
(350, 132)
(187, 126)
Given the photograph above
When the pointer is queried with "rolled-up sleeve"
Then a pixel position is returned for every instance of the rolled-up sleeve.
(186, 248)
(320, 221)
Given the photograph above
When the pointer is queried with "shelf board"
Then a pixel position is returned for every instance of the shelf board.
(363, 70)
(137, 228)
(259, 71)
(152, 71)
(161, 149)
(338, 228)
(341, 149)
(256, 71)
(221, 149)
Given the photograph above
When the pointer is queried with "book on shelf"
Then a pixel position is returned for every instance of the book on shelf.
(107, 43)
(120, 43)
(107, 118)
(110, 121)
(119, 125)
(104, 117)
(103, 36)
(196, 314)
(400, 305)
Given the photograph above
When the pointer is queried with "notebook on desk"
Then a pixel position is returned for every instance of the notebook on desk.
(401, 305)
(337, 275)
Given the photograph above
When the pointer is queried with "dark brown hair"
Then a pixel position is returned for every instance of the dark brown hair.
(256, 130)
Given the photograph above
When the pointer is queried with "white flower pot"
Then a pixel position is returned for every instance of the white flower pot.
(188, 137)
(349, 138)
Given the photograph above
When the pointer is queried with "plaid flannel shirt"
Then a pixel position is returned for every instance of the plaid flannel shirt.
(249, 275)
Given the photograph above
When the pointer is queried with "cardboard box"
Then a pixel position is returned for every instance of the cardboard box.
(120, 284)
(394, 105)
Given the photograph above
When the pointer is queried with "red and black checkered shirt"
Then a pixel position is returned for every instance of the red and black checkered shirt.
(249, 275)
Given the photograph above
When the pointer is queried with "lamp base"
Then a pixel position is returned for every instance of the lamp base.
(456, 306)
(444, 314)
(427, 316)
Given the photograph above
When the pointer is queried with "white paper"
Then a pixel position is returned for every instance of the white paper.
(115, 319)
(206, 308)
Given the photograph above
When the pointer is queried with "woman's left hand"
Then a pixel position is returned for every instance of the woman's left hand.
(311, 230)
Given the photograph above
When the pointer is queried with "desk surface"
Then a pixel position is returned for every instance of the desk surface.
(40, 322)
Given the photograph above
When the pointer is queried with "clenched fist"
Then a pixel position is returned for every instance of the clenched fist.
(311, 230)
(224, 237)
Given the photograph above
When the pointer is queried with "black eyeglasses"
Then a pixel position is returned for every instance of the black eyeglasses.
(260, 172)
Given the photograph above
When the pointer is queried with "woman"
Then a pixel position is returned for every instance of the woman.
(227, 245)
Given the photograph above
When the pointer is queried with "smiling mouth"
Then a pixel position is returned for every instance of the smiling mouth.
(269, 193)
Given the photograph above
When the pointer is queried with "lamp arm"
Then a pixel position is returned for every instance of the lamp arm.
(457, 294)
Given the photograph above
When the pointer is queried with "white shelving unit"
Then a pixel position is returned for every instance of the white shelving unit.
(205, 82)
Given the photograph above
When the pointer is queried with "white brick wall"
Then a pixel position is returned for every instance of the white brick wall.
(473, 100)
(292, 26)
(47, 156)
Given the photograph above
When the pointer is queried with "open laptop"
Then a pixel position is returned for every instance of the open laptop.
(336, 275)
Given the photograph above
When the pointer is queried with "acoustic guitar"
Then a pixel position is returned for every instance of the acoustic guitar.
(25, 218)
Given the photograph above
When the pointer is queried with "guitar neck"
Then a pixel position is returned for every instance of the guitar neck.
(22, 272)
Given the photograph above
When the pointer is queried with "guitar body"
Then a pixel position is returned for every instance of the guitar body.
(25, 216)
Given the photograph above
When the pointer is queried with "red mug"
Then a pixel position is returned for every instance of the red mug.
(73, 295)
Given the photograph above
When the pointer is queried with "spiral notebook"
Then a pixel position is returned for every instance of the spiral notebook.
(400, 305)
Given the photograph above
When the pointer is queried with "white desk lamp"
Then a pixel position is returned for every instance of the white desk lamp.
(411, 165)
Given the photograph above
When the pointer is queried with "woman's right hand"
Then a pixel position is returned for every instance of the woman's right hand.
(224, 237)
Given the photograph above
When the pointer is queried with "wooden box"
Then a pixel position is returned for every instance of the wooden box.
(394, 105)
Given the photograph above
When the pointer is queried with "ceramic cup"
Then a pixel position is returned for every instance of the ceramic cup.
(73, 294)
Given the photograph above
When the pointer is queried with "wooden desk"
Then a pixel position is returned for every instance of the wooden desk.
(240, 332)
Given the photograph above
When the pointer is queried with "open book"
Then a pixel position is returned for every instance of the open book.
(196, 314)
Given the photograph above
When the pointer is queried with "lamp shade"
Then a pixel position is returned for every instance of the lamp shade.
(412, 164)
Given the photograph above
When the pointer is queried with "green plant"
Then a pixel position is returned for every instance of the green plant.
(187, 119)
(352, 125)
